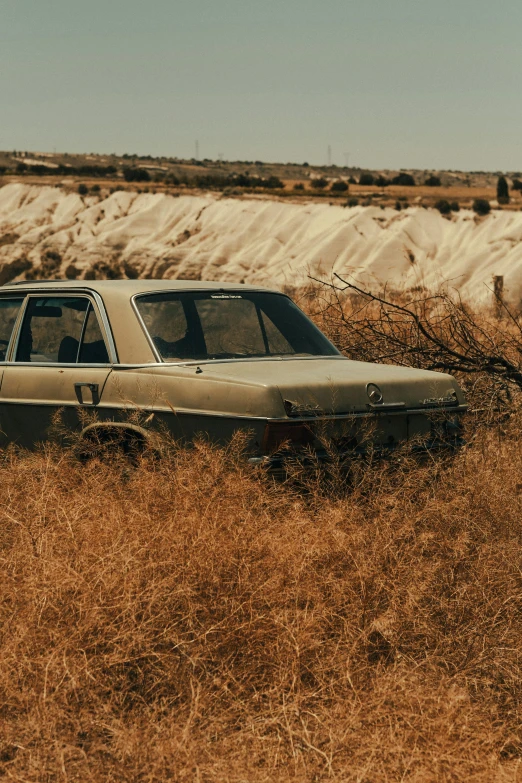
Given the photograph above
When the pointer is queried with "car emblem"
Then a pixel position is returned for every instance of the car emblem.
(374, 394)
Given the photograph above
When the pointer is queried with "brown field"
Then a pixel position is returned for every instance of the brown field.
(413, 196)
(460, 186)
(190, 619)
(418, 195)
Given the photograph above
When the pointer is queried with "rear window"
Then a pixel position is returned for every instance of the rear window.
(229, 325)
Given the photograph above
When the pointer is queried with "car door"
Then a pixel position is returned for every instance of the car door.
(10, 307)
(57, 360)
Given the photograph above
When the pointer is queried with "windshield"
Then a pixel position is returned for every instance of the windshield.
(229, 325)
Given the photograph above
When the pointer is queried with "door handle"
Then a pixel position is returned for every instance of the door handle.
(93, 387)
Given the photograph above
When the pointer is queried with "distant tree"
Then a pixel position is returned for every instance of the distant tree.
(352, 181)
(381, 181)
(339, 187)
(517, 185)
(136, 175)
(273, 183)
(366, 179)
(352, 202)
(40, 170)
(243, 181)
(299, 186)
(78, 171)
(21, 168)
(83, 189)
(455, 206)
(406, 180)
(398, 205)
(502, 190)
(95, 189)
(305, 165)
(3, 169)
(433, 182)
(319, 184)
(208, 181)
(481, 206)
(443, 206)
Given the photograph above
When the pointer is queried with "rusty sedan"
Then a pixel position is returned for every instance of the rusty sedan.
(204, 358)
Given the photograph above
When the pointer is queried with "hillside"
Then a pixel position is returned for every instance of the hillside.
(30, 164)
(49, 232)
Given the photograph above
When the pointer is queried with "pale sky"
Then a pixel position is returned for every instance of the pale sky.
(393, 83)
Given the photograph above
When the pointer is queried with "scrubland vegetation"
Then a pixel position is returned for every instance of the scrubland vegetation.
(192, 619)
(478, 190)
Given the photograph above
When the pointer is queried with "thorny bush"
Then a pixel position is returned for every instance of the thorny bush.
(440, 331)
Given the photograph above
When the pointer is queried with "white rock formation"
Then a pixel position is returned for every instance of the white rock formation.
(46, 232)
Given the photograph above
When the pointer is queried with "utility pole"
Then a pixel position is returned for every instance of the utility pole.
(329, 155)
(197, 149)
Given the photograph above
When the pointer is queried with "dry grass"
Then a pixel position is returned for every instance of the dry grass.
(192, 620)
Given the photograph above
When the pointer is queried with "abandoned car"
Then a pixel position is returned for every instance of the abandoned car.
(144, 356)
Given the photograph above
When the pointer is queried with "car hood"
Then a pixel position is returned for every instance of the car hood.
(303, 386)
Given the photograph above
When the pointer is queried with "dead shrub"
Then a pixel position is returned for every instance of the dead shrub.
(190, 618)
(439, 331)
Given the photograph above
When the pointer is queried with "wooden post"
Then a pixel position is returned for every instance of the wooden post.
(498, 292)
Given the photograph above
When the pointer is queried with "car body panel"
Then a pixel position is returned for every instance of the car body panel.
(336, 384)
(30, 399)
(330, 396)
(322, 387)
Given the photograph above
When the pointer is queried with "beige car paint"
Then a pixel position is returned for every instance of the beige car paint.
(30, 397)
(215, 397)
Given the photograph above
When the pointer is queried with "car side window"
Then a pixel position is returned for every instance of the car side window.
(60, 330)
(93, 349)
(9, 309)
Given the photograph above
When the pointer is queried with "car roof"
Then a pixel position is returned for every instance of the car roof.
(116, 295)
(132, 287)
